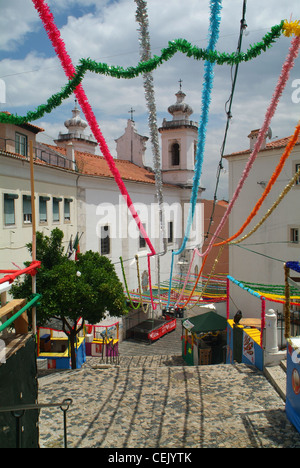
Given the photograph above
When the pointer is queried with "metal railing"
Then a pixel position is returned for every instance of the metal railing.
(41, 153)
(294, 326)
(19, 411)
(179, 123)
(79, 136)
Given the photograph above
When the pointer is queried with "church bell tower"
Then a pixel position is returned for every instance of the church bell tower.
(179, 143)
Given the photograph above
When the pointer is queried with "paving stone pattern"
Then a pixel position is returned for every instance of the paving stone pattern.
(152, 400)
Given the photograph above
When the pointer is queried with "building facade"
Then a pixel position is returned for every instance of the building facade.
(260, 258)
(55, 194)
(75, 191)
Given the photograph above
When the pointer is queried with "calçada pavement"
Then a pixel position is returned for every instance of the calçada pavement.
(152, 400)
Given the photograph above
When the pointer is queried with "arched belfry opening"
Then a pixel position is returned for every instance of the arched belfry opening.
(178, 138)
(175, 154)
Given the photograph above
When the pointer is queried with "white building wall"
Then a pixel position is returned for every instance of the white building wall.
(131, 146)
(104, 205)
(271, 240)
(50, 182)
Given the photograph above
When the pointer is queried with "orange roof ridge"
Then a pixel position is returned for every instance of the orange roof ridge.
(96, 165)
(280, 143)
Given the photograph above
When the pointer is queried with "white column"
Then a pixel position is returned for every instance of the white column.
(271, 332)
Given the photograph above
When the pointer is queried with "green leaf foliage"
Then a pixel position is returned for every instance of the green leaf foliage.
(71, 290)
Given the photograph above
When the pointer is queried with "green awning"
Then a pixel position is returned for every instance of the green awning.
(205, 323)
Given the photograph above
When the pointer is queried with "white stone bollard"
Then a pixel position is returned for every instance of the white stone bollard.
(272, 356)
(271, 332)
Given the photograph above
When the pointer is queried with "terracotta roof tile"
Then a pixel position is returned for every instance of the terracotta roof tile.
(281, 143)
(92, 164)
(29, 126)
(96, 165)
(20, 156)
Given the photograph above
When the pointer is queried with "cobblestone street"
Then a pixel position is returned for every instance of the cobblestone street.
(152, 400)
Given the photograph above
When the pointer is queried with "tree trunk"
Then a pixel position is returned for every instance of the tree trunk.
(72, 338)
(71, 334)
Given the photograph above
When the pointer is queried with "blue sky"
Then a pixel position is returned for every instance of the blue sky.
(107, 31)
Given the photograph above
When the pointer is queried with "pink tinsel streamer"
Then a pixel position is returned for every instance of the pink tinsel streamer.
(66, 62)
(283, 78)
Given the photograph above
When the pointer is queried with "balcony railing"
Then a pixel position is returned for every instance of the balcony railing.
(179, 123)
(41, 153)
(80, 136)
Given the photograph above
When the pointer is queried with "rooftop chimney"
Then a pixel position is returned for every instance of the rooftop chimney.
(254, 135)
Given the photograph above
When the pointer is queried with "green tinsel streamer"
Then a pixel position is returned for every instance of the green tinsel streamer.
(177, 45)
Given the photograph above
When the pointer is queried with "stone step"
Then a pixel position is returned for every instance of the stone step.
(139, 361)
(152, 361)
(277, 377)
(283, 364)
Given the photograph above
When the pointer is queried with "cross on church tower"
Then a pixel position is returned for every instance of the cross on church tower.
(131, 113)
(180, 83)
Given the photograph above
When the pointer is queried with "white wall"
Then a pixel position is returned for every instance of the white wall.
(270, 242)
(52, 182)
(104, 205)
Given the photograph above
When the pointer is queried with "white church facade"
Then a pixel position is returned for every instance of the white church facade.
(71, 178)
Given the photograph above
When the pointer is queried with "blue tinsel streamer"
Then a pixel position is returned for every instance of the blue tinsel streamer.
(293, 266)
(215, 18)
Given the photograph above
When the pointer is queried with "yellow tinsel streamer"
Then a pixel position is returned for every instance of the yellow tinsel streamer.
(208, 279)
(291, 27)
(270, 211)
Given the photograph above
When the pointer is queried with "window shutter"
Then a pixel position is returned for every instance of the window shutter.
(55, 207)
(27, 213)
(43, 209)
(9, 210)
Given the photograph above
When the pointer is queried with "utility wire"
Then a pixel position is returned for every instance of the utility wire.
(228, 113)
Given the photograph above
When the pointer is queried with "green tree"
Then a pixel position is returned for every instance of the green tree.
(86, 289)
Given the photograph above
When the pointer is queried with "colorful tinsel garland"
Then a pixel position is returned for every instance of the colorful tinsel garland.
(270, 211)
(291, 27)
(177, 45)
(145, 53)
(214, 29)
(66, 62)
(293, 140)
(283, 78)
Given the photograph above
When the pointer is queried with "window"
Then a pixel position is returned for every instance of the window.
(297, 166)
(27, 213)
(9, 208)
(105, 240)
(142, 242)
(21, 144)
(195, 152)
(170, 232)
(175, 154)
(55, 209)
(294, 235)
(43, 209)
(67, 209)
